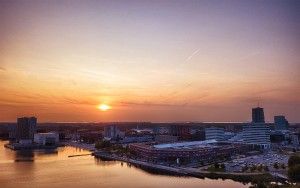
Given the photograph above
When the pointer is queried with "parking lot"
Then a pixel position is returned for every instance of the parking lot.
(267, 159)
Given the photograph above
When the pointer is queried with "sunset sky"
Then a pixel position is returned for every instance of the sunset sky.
(149, 60)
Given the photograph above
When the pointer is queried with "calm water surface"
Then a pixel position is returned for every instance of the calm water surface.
(55, 169)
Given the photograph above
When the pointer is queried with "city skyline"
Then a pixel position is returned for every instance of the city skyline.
(96, 61)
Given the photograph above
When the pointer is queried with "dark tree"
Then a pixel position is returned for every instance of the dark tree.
(216, 165)
(294, 173)
(293, 160)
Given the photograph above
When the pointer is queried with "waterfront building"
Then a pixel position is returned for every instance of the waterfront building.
(216, 133)
(205, 151)
(25, 129)
(12, 132)
(46, 139)
(258, 115)
(257, 134)
(280, 123)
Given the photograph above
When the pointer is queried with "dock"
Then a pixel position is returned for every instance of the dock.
(79, 155)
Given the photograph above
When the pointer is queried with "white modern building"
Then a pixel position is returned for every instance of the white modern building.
(46, 139)
(214, 133)
(257, 134)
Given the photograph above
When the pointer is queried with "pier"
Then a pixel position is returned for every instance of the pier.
(80, 155)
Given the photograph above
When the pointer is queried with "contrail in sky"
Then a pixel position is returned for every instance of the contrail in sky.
(192, 55)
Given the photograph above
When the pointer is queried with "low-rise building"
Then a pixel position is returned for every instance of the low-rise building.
(257, 134)
(165, 138)
(208, 150)
(216, 133)
(46, 139)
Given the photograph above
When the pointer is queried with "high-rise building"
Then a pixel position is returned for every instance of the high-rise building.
(26, 128)
(280, 123)
(258, 115)
(257, 132)
(216, 133)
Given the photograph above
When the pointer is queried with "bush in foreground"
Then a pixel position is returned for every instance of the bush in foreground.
(294, 168)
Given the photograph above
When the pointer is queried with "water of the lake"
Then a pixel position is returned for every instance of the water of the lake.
(51, 169)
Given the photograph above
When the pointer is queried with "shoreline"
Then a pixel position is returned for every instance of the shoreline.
(29, 147)
(181, 171)
(89, 147)
(192, 172)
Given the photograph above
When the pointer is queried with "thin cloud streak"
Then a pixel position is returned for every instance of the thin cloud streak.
(192, 55)
(151, 104)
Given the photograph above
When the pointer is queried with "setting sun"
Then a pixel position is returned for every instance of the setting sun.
(104, 107)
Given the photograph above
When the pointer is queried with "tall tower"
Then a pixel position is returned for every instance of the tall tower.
(258, 115)
(26, 127)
